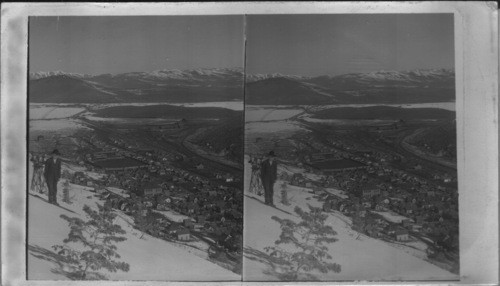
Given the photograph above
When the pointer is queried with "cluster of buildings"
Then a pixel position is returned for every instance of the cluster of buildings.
(377, 191)
(211, 206)
(427, 210)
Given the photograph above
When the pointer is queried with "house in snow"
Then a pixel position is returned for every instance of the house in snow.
(151, 189)
(183, 235)
(401, 235)
(370, 191)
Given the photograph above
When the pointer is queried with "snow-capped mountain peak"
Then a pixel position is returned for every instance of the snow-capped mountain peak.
(44, 74)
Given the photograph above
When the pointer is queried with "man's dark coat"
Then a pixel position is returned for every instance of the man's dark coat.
(52, 170)
(52, 174)
(268, 174)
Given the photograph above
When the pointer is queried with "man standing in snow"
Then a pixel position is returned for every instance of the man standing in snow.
(268, 174)
(52, 174)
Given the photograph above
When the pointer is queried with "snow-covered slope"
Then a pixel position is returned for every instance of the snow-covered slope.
(149, 258)
(361, 257)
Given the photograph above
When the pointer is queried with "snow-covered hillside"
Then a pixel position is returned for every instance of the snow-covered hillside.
(149, 258)
(361, 257)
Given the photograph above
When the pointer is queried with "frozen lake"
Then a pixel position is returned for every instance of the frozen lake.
(233, 105)
(441, 105)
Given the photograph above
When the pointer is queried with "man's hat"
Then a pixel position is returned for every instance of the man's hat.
(56, 152)
(271, 154)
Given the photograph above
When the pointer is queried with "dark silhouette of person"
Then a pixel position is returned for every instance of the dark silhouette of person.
(268, 174)
(52, 174)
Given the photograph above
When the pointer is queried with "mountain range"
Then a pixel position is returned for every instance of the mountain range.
(227, 84)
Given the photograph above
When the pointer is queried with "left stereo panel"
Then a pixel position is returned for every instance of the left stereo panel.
(135, 148)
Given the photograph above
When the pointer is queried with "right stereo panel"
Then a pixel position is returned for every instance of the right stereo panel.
(350, 148)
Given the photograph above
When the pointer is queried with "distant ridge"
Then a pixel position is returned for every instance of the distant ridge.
(157, 74)
(418, 86)
(198, 85)
(226, 84)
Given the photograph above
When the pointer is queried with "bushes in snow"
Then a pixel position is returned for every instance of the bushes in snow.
(305, 245)
(98, 236)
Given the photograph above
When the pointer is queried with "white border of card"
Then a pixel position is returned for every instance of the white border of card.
(476, 64)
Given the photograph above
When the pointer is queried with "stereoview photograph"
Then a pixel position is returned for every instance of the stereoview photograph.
(350, 148)
(242, 148)
(135, 148)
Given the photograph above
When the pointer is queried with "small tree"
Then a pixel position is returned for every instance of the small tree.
(307, 237)
(97, 235)
(284, 194)
(66, 198)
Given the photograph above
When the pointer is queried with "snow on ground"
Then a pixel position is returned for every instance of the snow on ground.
(53, 112)
(290, 170)
(149, 258)
(118, 191)
(173, 215)
(361, 257)
(269, 114)
(61, 125)
(336, 192)
(391, 216)
(72, 168)
(95, 176)
(420, 245)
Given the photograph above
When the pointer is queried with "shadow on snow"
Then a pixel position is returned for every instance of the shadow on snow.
(276, 266)
(62, 268)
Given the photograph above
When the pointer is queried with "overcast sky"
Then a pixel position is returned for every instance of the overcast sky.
(289, 44)
(103, 44)
(338, 44)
